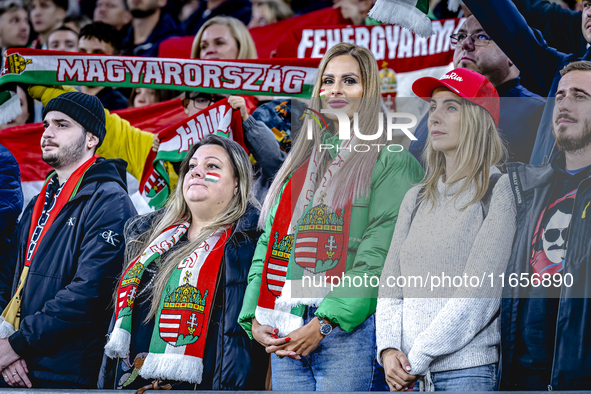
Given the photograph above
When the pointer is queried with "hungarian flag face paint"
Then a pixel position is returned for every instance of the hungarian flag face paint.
(211, 177)
(322, 93)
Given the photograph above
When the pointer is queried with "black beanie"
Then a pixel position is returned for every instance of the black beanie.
(84, 109)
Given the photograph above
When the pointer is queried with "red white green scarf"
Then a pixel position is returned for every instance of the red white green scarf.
(266, 77)
(178, 340)
(41, 221)
(307, 241)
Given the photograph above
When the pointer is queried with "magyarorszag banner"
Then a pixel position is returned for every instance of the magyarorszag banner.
(261, 77)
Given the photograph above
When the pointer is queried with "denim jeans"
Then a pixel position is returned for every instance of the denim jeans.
(483, 378)
(343, 361)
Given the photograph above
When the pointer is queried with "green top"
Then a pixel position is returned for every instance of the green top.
(372, 224)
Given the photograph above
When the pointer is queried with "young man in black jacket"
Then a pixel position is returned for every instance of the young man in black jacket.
(545, 341)
(67, 253)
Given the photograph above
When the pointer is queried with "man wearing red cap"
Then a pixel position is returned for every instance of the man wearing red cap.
(520, 109)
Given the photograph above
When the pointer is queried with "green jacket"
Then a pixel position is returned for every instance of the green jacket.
(372, 224)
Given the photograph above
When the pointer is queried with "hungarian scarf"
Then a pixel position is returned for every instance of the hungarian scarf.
(261, 77)
(410, 14)
(178, 340)
(46, 209)
(307, 245)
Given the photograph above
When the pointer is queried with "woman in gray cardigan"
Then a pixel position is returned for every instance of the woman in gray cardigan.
(437, 315)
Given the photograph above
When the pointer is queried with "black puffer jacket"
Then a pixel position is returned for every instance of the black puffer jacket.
(232, 361)
(65, 303)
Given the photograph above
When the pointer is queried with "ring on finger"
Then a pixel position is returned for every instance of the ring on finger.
(14, 373)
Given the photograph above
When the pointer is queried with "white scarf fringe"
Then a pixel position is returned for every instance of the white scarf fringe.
(177, 367)
(282, 320)
(287, 301)
(118, 343)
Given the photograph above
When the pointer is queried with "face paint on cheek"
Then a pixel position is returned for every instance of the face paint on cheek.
(211, 177)
(322, 93)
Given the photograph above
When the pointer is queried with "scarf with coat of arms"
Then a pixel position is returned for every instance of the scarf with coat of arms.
(307, 245)
(178, 340)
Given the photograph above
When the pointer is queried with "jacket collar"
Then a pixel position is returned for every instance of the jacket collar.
(530, 176)
(103, 170)
(505, 88)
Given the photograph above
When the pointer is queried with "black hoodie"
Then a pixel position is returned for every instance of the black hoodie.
(65, 306)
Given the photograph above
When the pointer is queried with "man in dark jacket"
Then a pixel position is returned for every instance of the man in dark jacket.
(532, 55)
(67, 252)
(149, 27)
(520, 109)
(546, 307)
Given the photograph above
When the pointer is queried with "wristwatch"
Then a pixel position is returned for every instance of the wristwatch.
(325, 328)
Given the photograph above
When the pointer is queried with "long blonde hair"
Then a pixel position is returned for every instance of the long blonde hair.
(177, 211)
(480, 147)
(353, 180)
(244, 41)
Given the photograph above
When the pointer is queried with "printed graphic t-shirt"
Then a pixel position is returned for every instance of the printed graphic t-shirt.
(538, 312)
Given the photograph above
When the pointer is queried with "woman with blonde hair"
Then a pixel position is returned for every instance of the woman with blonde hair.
(458, 223)
(328, 218)
(223, 37)
(178, 299)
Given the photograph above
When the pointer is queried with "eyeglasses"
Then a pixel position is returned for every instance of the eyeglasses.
(478, 39)
(202, 101)
(553, 234)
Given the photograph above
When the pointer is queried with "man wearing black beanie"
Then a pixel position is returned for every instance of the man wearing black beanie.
(65, 255)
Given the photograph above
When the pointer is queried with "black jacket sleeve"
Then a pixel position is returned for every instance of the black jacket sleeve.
(561, 27)
(537, 61)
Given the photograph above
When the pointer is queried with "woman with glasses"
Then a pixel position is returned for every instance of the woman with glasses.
(458, 223)
(195, 102)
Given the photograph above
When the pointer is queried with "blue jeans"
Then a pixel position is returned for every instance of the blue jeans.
(343, 361)
(483, 378)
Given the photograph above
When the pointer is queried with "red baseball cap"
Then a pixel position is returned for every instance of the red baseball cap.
(468, 84)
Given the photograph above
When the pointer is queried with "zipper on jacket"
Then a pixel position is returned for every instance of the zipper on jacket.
(222, 276)
(584, 215)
